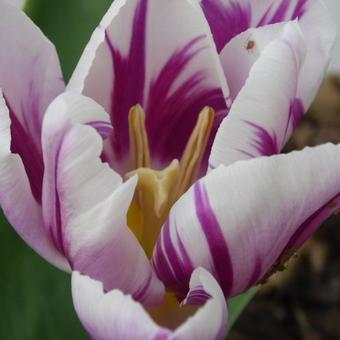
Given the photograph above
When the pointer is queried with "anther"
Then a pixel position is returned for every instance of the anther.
(139, 144)
(194, 151)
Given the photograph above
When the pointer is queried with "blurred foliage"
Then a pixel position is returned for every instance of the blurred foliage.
(68, 24)
(35, 297)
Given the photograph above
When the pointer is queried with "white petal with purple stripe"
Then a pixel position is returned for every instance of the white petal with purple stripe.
(239, 220)
(158, 54)
(113, 315)
(85, 202)
(266, 110)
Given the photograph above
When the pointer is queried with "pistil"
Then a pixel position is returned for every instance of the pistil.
(158, 190)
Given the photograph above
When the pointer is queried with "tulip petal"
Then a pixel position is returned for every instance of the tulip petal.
(85, 202)
(159, 54)
(244, 50)
(65, 111)
(266, 110)
(210, 321)
(16, 198)
(229, 18)
(239, 221)
(110, 315)
(30, 78)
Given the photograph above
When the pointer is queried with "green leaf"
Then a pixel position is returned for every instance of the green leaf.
(68, 24)
(35, 297)
(238, 303)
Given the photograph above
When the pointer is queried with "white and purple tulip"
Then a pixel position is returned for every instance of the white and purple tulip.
(109, 179)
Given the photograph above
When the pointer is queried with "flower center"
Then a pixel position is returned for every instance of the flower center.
(158, 190)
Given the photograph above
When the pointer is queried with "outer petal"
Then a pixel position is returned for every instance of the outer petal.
(110, 316)
(266, 110)
(240, 220)
(65, 111)
(85, 202)
(17, 200)
(228, 18)
(158, 54)
(30, 78)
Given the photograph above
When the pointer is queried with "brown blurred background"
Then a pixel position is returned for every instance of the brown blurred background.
(303, 302)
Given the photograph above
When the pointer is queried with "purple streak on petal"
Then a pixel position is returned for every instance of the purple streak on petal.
(120, 140)
(278, 16)
(129, 79)
(22, 143)
(306, 229)
(138, 296)
(198, 296)
(282, 13)
(309, 226)
(184, 254)
(181, 268)
(178, 110)
(56, 230)
(177, 274)
(300, 9)
(296, 112)
(230, 18)
(217, 244)
(220, 115)
(162, 266)
(103, 128)
(263, 142)
(226, 20)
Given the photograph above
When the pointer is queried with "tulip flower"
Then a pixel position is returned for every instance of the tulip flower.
(156, 177)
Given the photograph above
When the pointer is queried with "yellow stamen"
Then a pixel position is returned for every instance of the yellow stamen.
(157, 191)
(139, 145)
(194, 151)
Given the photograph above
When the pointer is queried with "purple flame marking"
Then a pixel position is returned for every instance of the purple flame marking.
(228, 19)
(296, 112)
(220, 255)
(177, 112)
(128, 87)
(175, 273)
(182, 268)
(23, 144)
(162, 266)
(308, 227)
(198, 296)
(169, 112)
(281, 13)
(103, 128)
(138, 296)
(56, 229)
(263, 142)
